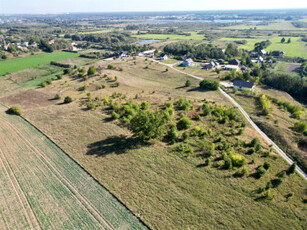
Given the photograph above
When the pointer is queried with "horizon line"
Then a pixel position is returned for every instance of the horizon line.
(158, 11)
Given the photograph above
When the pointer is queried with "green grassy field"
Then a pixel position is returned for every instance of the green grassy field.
(92, 32)
(296, 48)
(276, 25)
(48, 190)
(17, 64)
(194, 36)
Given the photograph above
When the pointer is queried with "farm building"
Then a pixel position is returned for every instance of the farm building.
(163, 57)
(232, 67)
(234, 62)
(188, 62)
(211, 65)
(123, 54)
(149, 53)
(72, 49)
(243, 85)
(139, 54)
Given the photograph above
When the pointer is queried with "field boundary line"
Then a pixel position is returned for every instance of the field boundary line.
(99, 183)
(112, 194)
(18, 193)
(62, 179)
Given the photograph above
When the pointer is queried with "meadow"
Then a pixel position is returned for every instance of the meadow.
(17, 64)
(296, 48)
(275, 25)
(166, 189)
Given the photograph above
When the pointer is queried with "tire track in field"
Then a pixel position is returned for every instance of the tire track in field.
(61, 179)
(20, 194)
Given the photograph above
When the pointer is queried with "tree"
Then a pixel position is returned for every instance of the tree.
(67, 100)
(282, 40)
(148, 125)
(184, 123)
(91, 70)
(289, 40)
(14, 110)
(188, 83)
(291, 169)
(209, 84)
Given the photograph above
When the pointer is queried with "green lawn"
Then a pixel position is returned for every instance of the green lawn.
(17, 64)
(296, 48)
(194, 36)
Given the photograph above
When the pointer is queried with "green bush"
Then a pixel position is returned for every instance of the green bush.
(291, 169)
(188, 83)
(115, 115)
(237, 160)
(300, 126)
(91, 70)
(184, 123)
(57, 97)
(16, 110)
(67, 100)
(209, 84)
(144, 105)
(261, 171)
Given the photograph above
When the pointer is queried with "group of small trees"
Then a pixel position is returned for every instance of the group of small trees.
(209, 85)
(265, 104)
(283, 40)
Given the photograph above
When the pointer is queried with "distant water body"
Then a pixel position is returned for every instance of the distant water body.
(143, 42)
(155, 21)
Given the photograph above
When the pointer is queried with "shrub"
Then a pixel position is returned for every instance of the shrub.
(267, 165)
(121, 69)
(237, 160)
(59, 76)
(144, 105)
(115, 115)
(67, 100)
(257, 147)
(254, 142)
(172, 135)
(184, 104)
(110, 66)
(209, 84)
(91, 106)
(207, 162)
(261, 171)
(16, 110)
(184, 123)
(291, 169)
(91, 70)
(188, 83)
(300, 126)
(57, 97)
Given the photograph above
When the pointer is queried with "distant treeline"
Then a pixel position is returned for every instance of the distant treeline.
(202, 51)
(107, 38)
(63, 65)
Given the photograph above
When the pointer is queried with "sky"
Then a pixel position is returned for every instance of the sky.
(69, 6)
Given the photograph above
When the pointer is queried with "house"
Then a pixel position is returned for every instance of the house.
(149, 53)
(258, 60)
(51, 41)
(234, 62)
(34, 44)
(188, 62)
(211, 65)
(111, 53)
(123, 54)
(243, 85)
(6, 47)
(243, 68)
(72, 49)
(262, 52)
(163, 57)
(139, 54)
(232, 67)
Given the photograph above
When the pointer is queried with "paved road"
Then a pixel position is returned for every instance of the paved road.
(282, 153)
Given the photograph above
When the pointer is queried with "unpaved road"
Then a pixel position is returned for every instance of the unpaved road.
(266, 138)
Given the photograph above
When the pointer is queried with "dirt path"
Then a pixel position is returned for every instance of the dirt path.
(282, 153)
